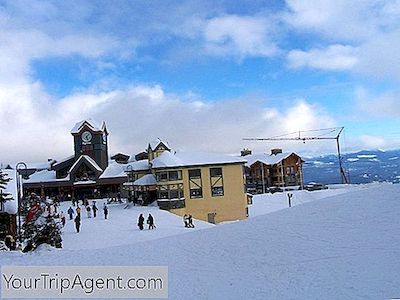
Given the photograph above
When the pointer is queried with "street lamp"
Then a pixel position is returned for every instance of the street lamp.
(20, 193)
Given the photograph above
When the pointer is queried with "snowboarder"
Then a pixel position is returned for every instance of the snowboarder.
(141, 222)
(62, 217)
(78, 211)
(95, 209)
(185, 220)
(150, 221)
(70, 212)
(89, 211)
(77, 223)
(105, 209)
(190, 220)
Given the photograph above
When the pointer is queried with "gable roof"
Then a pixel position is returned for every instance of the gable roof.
(87, 159)
(182, 159)
(140, 165)
(148, 179)
(154, 144)
(267, 159)
(113, 170)
(93, 125)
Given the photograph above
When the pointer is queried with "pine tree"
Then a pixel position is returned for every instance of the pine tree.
(4, 197)
(41, 227)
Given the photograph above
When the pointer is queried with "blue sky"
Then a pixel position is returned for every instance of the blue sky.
(242, 68)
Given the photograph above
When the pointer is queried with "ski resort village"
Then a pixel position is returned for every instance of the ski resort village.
(200, 149)
(244, 225)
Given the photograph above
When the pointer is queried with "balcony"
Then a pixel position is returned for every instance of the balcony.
(168, 204)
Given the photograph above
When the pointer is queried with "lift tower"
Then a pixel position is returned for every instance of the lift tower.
(301, 137)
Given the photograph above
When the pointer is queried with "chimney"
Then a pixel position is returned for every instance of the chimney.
(245, 152)
(276, 151)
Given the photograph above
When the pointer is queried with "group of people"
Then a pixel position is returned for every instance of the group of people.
(89, 209)
(150, 222)
(188, 220)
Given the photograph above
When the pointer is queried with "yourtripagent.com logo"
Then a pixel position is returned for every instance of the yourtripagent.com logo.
(84, 282)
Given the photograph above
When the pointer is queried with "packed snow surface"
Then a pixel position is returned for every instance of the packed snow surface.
(340, 243)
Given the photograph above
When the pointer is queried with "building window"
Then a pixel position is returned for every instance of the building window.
(215, 172)
(169, 176)
(194, 173)
(162, 176)
(196, 193)
(170, 192)
(174, 175)
(290, 170)
(195, 184)
(216, 181)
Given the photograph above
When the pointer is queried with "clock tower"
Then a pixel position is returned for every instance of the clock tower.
(92, 140)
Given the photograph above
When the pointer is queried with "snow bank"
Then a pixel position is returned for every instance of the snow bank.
(345, 246)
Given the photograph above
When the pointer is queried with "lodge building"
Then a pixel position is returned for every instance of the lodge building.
(87, 173)
(275, 170)
(210, 187)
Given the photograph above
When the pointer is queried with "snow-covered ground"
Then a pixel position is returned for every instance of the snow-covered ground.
(342, 244)
(121, 227)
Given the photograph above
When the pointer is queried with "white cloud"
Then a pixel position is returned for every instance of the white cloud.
(372, 28)
(239, 36)
(35, 129)
(334, 58)
(381, 105)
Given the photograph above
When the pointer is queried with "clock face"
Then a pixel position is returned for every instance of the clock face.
(86, 136)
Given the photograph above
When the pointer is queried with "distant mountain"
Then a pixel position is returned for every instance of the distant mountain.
(362, 167)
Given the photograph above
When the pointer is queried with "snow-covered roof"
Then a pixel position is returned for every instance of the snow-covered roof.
(88, 159)
(154, 144)
(38, 166)
(11, 206)
(113, 170)
(44, 176)
(268, 159)
(93, 125)
(181, 159)
(64, 160)
(148, 179)
(140, 165)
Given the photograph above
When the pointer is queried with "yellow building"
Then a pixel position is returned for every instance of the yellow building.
(210, 187)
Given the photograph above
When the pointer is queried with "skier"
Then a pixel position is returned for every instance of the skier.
(95, 209)
(150, 221)
(62, 217)
(190, 219)
(89, 211)
(105, 209)
(78, 211)
(141, 222)
(70, 212)
(77, 223)
(185, 220)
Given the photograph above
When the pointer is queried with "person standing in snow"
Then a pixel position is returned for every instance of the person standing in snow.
(105, 209)
(70, 212)
(141, 222)
(150, 221)
(62, 217)
(89, 211)
(190, 220)
(78, 211)
(95, 209)
(77, 223)
(185, 220)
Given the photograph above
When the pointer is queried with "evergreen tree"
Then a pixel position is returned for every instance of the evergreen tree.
(41, 226)
(4, 197)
